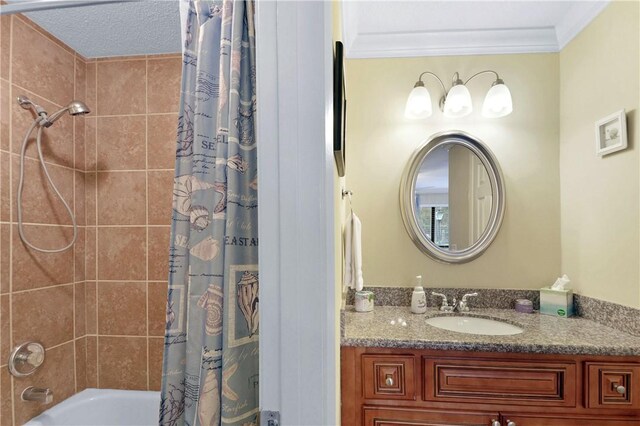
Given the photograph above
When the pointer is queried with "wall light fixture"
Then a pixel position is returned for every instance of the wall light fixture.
(456, 102)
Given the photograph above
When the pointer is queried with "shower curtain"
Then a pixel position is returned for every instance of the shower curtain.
(210, 370)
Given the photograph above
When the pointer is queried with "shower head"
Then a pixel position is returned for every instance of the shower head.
(78, 108)
(74, 108)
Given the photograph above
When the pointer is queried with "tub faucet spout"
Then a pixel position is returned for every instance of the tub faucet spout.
(41, 395)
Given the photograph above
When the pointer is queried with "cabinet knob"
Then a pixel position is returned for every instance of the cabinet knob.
(510, 423)
(621, 389)
(389, 381)
(494, 422)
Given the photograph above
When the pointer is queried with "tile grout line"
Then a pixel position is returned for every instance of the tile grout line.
(126, 336)
(48, 163)
(75, 211)
(53, 225)
(62, 166)
(95, 141)
(146, 157)
(132, 170)
(48, 287)
(86, 240)
(31, 92)
(141, 115)
(84, 205)
(66, 342)
(11, 218)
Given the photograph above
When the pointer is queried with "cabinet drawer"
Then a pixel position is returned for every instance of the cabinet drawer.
(497, 382)
(566, 420)
(374, 416)
(613, 385)
(388, 377)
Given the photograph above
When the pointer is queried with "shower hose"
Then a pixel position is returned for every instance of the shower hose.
(37, 123)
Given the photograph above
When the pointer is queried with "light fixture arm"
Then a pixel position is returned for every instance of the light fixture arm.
(498, 79)
(444, 89)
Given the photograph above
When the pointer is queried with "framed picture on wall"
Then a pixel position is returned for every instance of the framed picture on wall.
(339, 110)
(611, 133)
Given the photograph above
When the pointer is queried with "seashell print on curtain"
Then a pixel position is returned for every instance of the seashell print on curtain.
(210, 371)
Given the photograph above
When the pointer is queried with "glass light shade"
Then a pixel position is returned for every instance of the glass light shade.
(458, 102)
(498, 102)
(418, 104)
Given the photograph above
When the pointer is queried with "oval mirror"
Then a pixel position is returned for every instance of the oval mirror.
(452, 197)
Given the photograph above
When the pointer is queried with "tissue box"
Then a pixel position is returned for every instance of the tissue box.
(558, 303)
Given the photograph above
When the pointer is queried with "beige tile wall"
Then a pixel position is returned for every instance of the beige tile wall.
(99, 308)
(129, 162)
(42, 296)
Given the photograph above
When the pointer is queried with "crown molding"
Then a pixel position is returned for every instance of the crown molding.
(382, 44)
(472, 42)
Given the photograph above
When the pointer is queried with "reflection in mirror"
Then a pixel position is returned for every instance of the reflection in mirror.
(453, 197)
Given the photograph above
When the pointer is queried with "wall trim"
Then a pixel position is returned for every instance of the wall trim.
(452, 43)
(360, 44)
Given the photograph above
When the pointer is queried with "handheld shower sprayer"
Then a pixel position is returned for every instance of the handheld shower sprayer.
(42, 121)
(74, 108)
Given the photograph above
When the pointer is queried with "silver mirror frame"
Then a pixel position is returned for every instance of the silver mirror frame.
(408, 207)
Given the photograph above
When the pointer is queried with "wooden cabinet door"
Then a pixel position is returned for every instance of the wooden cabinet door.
(375, 416)
(388, 377)
(566, 420)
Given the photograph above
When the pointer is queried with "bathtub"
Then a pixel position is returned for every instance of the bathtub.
(93, 407)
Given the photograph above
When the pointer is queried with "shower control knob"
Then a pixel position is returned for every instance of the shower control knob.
(26, 358)
(36, 357)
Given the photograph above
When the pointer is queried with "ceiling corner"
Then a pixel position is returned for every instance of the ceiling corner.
(577, 19)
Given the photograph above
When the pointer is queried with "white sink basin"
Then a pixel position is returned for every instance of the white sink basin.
(472, 325)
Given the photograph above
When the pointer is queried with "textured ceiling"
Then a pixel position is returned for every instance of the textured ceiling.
(131, 28)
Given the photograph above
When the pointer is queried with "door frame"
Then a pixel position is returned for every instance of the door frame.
(298, 315)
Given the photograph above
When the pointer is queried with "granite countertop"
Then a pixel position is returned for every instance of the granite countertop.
(542, 333)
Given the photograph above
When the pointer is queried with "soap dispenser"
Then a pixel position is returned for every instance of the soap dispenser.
(418, 298)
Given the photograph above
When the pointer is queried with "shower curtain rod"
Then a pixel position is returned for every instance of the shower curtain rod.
(36, 5)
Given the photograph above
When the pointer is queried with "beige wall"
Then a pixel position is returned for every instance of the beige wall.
(380, 141)
(599, 75)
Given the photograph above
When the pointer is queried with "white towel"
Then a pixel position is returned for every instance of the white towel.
(353, 253)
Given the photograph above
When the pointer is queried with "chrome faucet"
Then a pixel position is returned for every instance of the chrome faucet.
(463, 306)
(445, 307)
(41, 395)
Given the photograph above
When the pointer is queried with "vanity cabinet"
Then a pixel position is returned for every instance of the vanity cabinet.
(392, 387)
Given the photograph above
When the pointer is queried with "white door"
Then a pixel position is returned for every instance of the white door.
(298, 340)
(482, 197)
